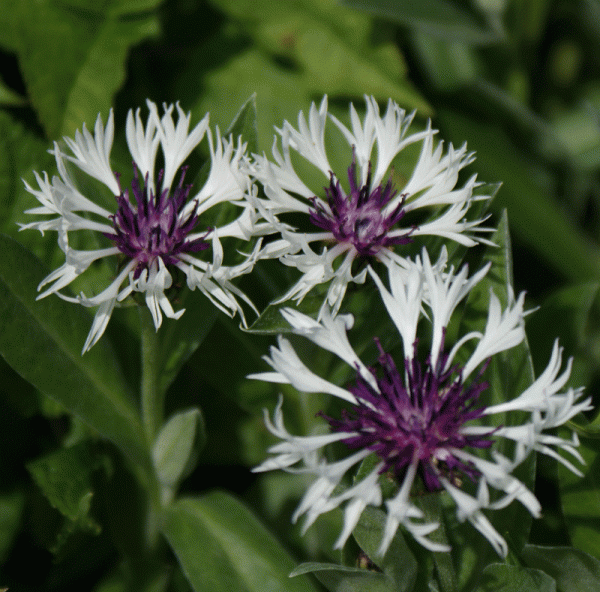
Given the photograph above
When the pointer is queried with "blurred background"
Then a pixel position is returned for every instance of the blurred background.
(518, 80)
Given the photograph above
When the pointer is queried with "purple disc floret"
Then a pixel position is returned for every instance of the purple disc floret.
(155, 225)
(417, 414)
(358, 218)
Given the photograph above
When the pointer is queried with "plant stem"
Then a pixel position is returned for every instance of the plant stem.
(152, 402)
(152, 398)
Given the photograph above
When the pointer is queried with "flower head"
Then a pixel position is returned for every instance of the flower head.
(363, 213)
(157, 227)
(421, 419)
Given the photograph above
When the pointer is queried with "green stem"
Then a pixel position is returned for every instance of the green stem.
(152, 398)
(152, 401)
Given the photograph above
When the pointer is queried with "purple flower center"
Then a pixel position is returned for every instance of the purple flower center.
(418, 415)
(357, 218)
(155, 225)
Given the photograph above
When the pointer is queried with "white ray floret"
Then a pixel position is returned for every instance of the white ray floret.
(327, 248)
(65, 209)
(425, 292)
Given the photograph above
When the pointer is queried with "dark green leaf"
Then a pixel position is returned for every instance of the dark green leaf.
(433, 508)
(22, 150)
(180, 340)
(11, 510)
(65, 478)
(571, 568)
(537, 220)
(435, 17)
(567, 311)
(340, 578)
(580, 498)
(9, 97)
(399, 564)
(73, 57)
(511, 578)
(508, 374)
(42, 341)
(221, 546)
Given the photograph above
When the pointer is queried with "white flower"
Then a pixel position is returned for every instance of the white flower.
(160, 229)
(362, 213)
(421, 417)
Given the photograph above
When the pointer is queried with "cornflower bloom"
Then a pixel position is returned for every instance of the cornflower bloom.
(157, 226)
(421, 421)
(363, 213)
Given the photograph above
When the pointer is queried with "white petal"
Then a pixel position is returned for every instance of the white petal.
(287, 363)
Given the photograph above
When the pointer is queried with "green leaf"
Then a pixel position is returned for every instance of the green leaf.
(180, 340)
(580, 499)
(65, 478)
(22, 151)
(439, 18)
(9, 98)
(508, 375)
(11, 511)
(271, 321)
(244, 124)
(73, 57)
(433, 508)
(568, 312)
(341, 578)
(511, 578)
(450, 64)
(399, 564)
(359, 56)
(571, 568)
(221, 546)
(178, 445)
(536, 219)
(42, 341)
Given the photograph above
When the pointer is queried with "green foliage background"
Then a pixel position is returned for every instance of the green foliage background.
(518, 80)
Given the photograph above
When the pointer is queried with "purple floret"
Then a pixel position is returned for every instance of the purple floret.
(154, 226)
(416, 414)
(357, 218)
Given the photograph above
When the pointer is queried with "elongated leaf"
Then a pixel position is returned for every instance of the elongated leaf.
(73, 57)
(571, 568)
(244, 124)
(341, 578)
(11, 509)
(436, 17)
(222, 546)
(567, 311)
(537, 220)
(21, 150)
(580, 499)
(511, 578)
(508, 375)
(42, 341)
(306, 30)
